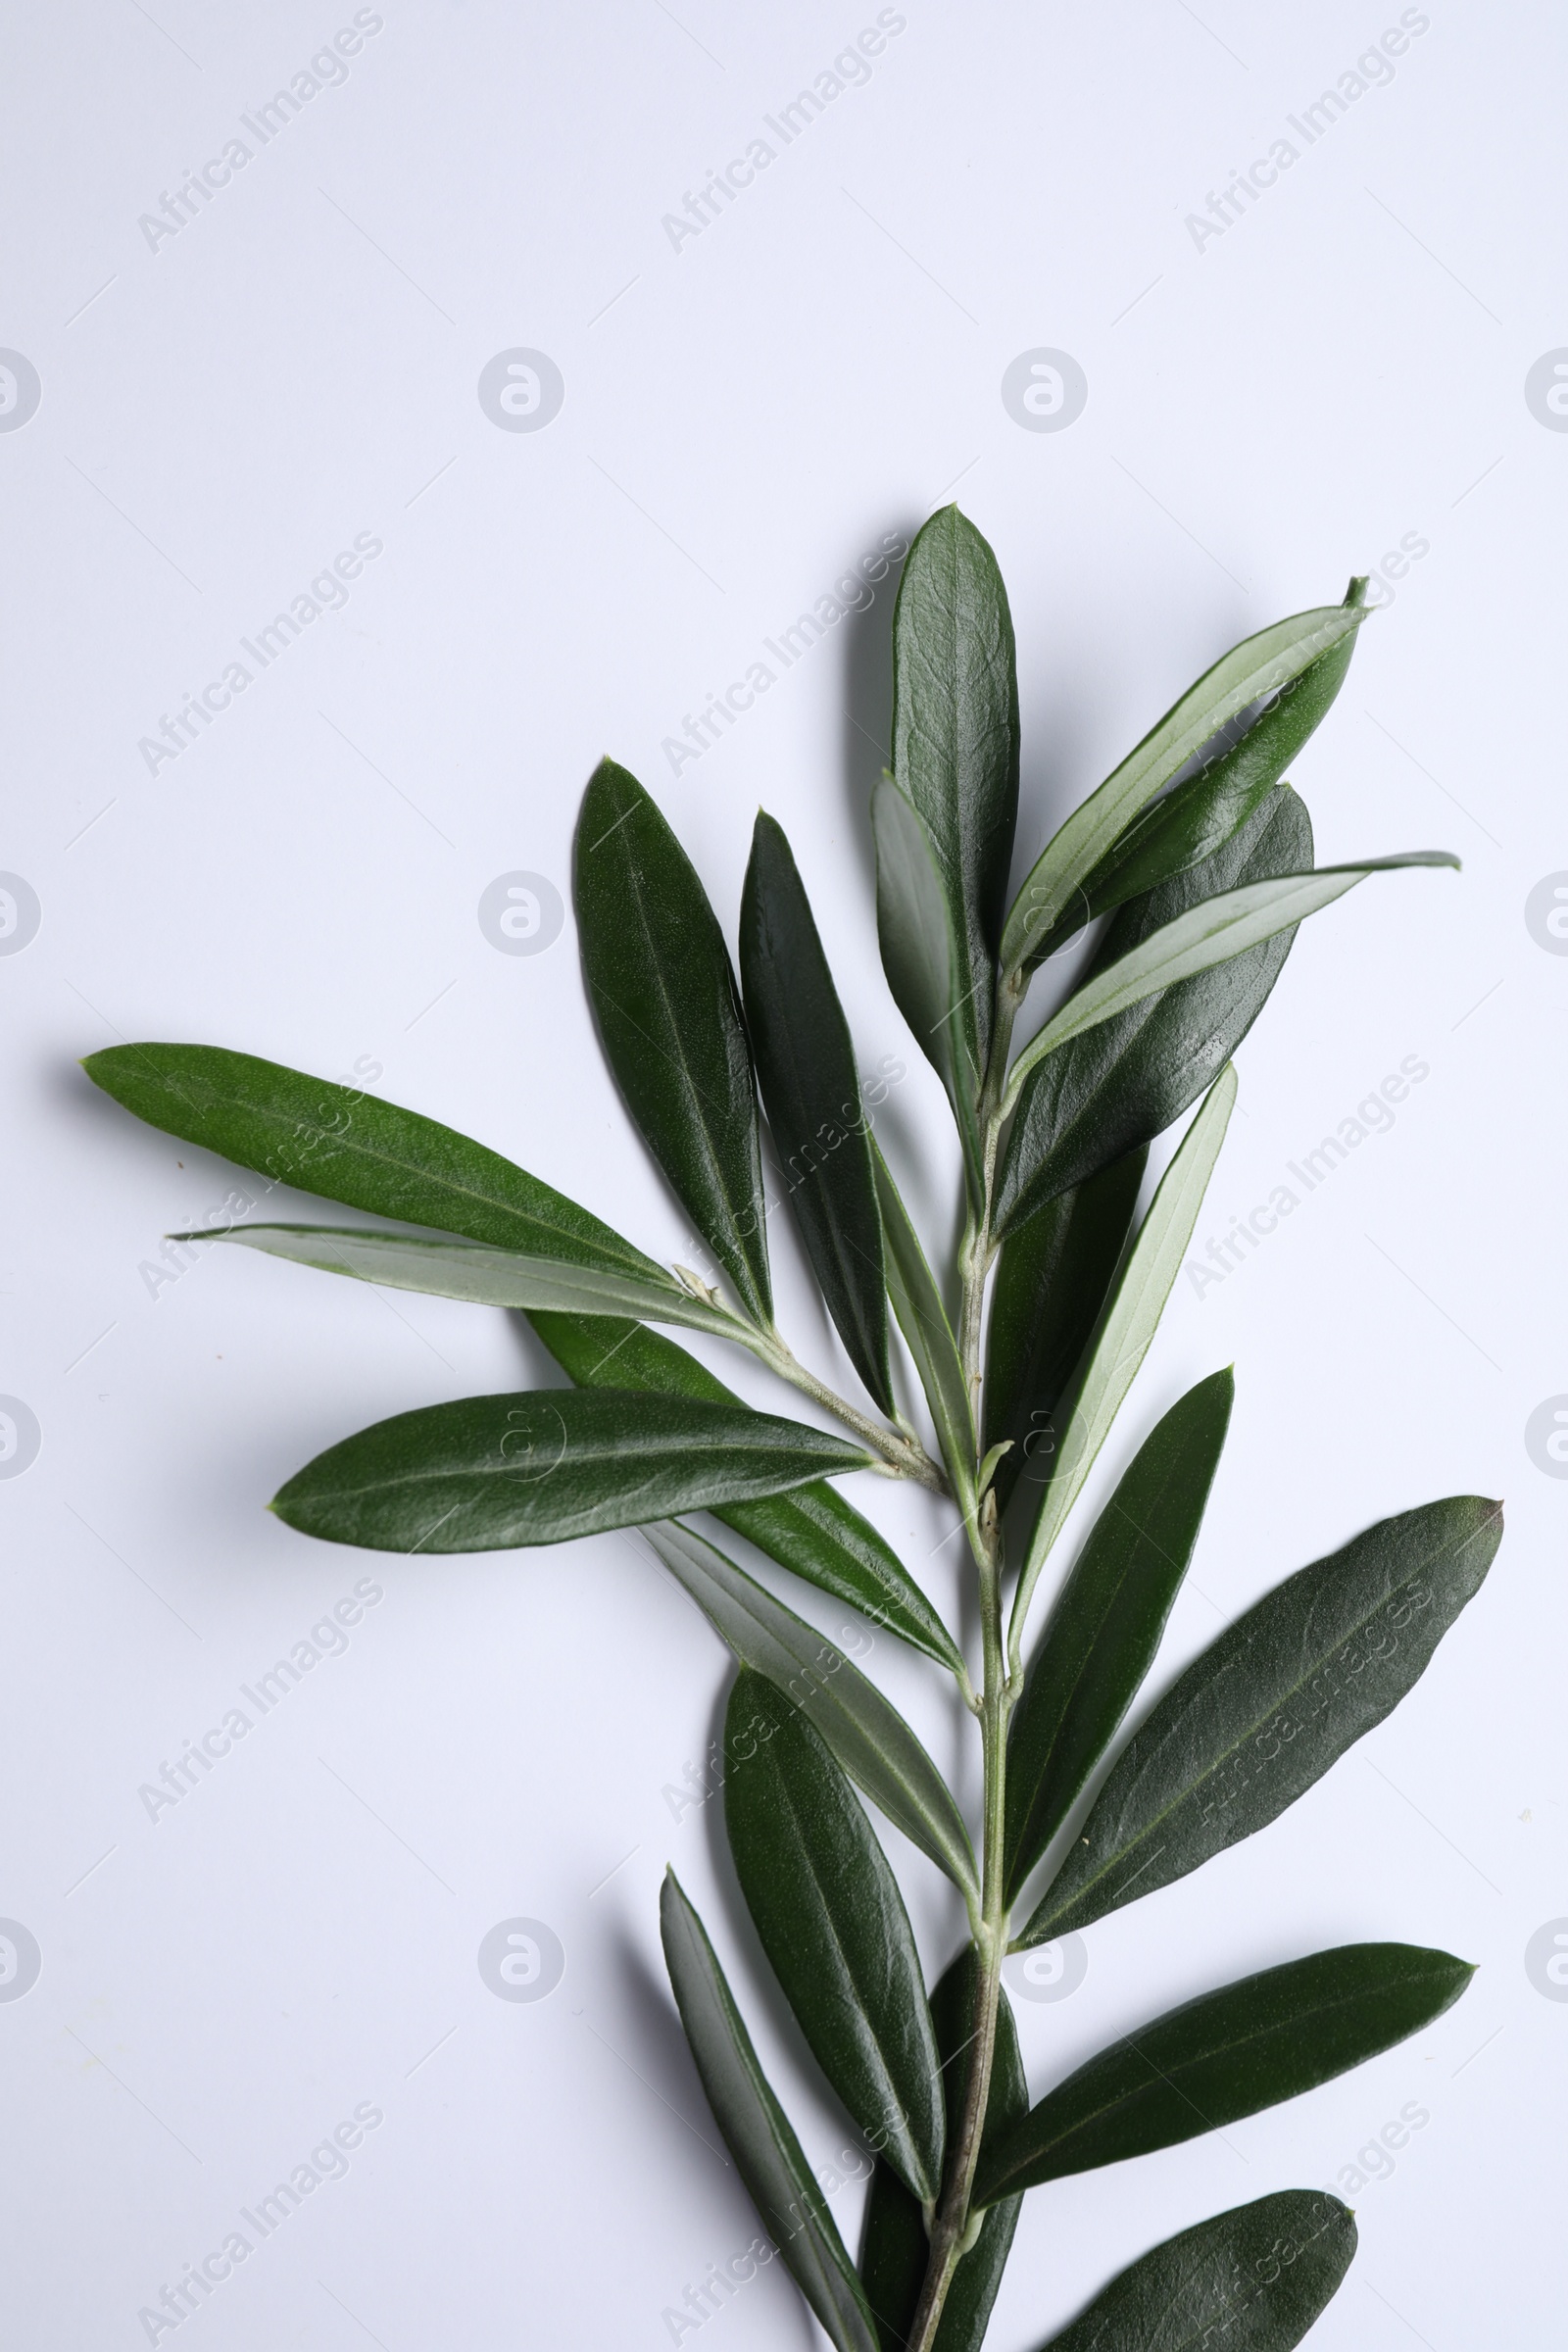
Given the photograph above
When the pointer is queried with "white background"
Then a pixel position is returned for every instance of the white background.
(1342, 368)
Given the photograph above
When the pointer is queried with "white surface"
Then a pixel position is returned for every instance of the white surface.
(1343, 366)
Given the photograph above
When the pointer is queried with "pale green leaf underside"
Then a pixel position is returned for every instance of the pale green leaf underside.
(923, 1320)
(1260, 665)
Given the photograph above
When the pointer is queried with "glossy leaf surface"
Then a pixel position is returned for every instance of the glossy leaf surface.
(1102, 1636)
(813, 1531)
(488, 1473)
(1124, 1083)
(863, 1729)
(895, 2248)
(831, 1920)
(1054, 1273)
(1261, 665)
(347, 1146)
(955, 737)
(1226, 2055)
(669, 1013)
(757, 2131)
(812, 1094)
(921, 957)
(1130, 1321)
(1253, 2280)
(1269, 1706)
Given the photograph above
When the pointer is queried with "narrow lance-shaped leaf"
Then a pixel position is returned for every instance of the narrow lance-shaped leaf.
(1256, 2279)
(920, 958)
(1207, 934)
(1260, 665)
(669, 1013)
(1130, 1323)
(955, 737)
(864, 1731)
(1119, 1085)
(1269, 1706)
(832, 1923)
(813, 1531)
(488, 1473)
(1102, 1636)
(923, 1321)
(345, 1146)
(1052, 1275)
(896, 2249)
(482, 1277)
(767, 2155)
(1198, 817)
(1223, 2056)
(812, 1094)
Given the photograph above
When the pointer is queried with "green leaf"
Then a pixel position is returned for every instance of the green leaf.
(1269, 1706)
(767, 2155)
(812, 1094)
(895, 2249)
(1053, 1274)
(482, 1277)
(955, 737)
(1102, 1633)
(923, 1321)
(813, 1531)
(345, 1146)
(488, 1473)
(1130, 1322)
(864, 1731)
(1226, 2055)
(1124, 1083)
(1260, 665)
(921, 960)
(1197, 818)
(831, 1920)
(1205, 935)
(1256, 2279)
(669, 1013)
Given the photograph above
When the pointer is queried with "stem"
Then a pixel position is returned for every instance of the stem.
(951, 2229)
(905, 1456)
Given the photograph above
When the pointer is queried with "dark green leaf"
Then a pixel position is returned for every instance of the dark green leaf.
(1131, 1319)
(1253, 2280)
(955, 738)
(1196, 817)
(1258, 666)
(1052, 1276)
(832, 1923)
(1122, 1084)
(767, 2155)
(482, 1277)
(812, 1094)
(488, 1473)
(920, 958)
(348, 1146)
(864, 1731)
(1223, 2056)
(813, 1531)
(895, 2249)
(1102, 1636)
(669, 1013)
(1271, 1704)
(923, 1321)
(1209, 934)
